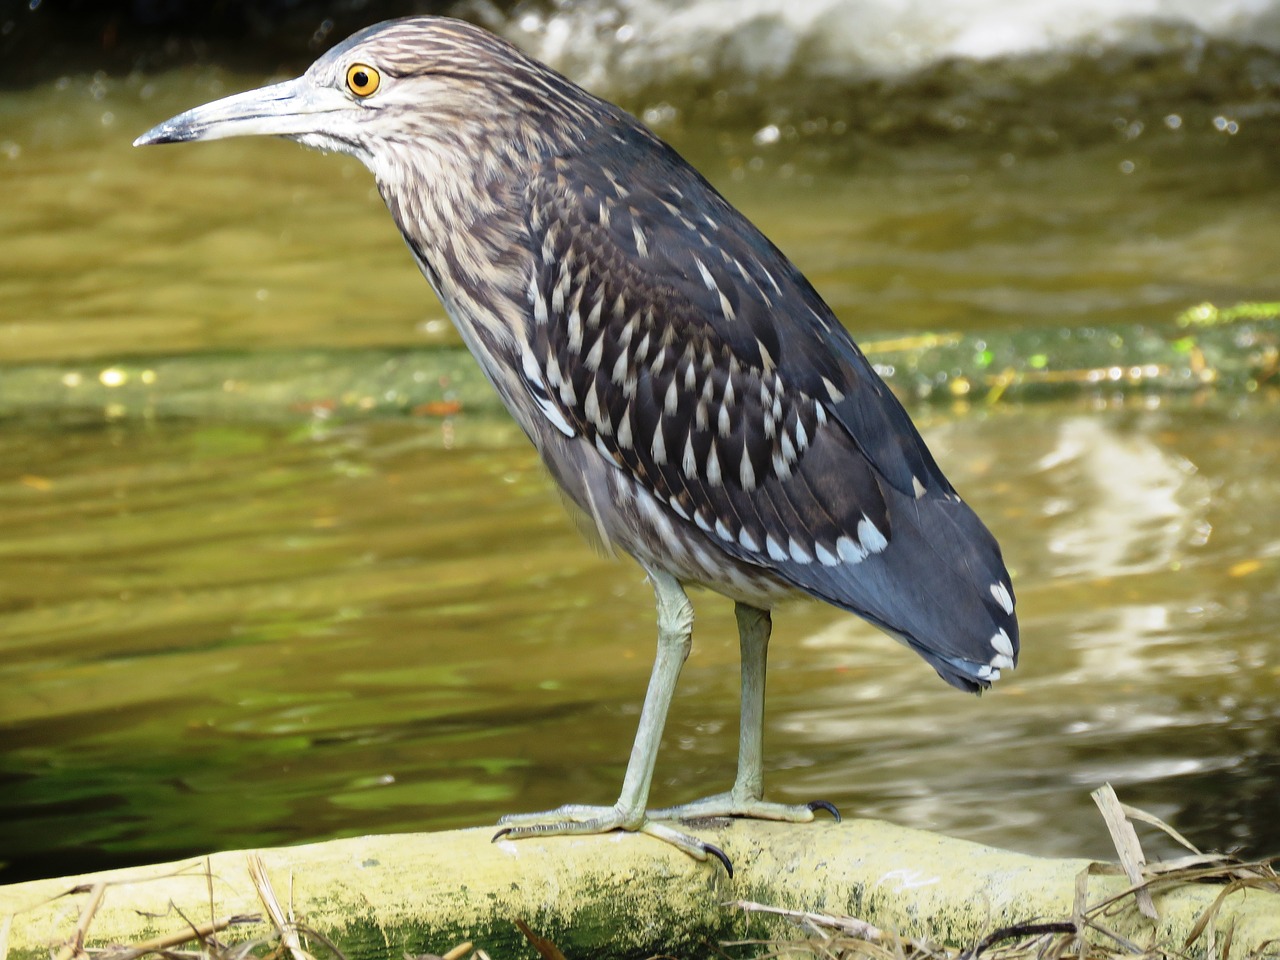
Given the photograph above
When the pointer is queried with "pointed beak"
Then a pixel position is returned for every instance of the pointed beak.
(288, 109)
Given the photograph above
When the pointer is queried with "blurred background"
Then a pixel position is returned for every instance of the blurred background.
(275, 567)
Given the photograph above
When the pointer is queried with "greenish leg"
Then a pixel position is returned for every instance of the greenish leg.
(746, 797)
(754, 628)
(675, 637)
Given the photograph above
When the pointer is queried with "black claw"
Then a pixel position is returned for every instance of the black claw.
(826, 805)
(721, 856)
(500, 834)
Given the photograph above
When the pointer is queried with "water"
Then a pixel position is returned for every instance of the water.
(218, 633)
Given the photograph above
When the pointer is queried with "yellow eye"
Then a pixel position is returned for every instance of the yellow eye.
(362, 79)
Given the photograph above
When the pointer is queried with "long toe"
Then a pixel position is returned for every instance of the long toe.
(582, 821)
(728, 805)
(694, 847)
(570, 813)
(575, 820)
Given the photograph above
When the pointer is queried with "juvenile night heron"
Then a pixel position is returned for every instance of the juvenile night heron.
(687, 388)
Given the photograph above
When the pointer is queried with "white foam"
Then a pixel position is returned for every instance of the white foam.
(608, 46)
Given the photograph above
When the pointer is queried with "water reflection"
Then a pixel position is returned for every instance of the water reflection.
(1128, 504)
(289, 636)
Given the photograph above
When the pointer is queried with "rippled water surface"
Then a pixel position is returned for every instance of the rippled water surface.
(236, 632)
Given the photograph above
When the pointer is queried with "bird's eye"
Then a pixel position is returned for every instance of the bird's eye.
(362, 79)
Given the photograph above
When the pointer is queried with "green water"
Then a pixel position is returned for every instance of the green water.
(229, 633)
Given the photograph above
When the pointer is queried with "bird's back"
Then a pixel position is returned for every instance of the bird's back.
(677, 345)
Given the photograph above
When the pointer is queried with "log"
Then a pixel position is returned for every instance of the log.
(1231, 352)
(614, 896)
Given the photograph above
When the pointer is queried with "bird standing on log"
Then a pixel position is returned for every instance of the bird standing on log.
(685, 385)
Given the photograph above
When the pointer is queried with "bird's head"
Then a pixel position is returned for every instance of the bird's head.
(419, 80)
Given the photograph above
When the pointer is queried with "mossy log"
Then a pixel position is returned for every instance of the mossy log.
(1231, 352)
(617, 895)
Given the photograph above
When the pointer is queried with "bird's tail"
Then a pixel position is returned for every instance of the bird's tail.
(939, 585)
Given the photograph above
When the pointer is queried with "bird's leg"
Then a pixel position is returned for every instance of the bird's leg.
(746, 797)
(675, 637)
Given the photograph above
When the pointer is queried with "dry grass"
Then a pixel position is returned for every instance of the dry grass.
(1082, 936)
(191, 940)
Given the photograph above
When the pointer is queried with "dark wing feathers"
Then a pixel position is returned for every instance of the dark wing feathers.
(696, 357)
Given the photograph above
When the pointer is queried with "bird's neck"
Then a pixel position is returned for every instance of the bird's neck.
(457, 218)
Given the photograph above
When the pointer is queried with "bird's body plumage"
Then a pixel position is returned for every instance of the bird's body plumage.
(709, 414)
(689, 390)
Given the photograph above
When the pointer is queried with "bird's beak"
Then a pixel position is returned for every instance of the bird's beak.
(286, 109)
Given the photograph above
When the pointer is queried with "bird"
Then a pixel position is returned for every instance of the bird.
(696, 400)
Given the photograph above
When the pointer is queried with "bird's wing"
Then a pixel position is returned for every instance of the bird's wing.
(672, 334)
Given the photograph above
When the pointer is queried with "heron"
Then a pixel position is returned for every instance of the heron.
(695, 399)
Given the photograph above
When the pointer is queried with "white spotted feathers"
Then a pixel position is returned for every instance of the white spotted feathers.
(713, 431)
(679, 344)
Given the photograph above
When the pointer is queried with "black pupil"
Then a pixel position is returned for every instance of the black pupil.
(360, 78)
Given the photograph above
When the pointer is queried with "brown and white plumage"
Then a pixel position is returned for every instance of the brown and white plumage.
(693, 357)
(686, 386)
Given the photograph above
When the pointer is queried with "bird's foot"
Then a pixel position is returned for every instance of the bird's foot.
(729, 804)
(579, 820)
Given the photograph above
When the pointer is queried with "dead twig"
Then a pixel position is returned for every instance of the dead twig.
(546, 949)
(1127, 846)
(1133, 813)
(1019, 931)
(266, 893)
(850, 926)
(164, 942)
(74, 946)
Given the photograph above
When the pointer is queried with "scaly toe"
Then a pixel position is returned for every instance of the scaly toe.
(581, 821)
(698, 849)
(570, 813)
(727, 805)
(571, 820)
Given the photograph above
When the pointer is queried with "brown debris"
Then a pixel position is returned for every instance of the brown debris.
(1064, 938)
(546, 949)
